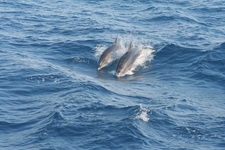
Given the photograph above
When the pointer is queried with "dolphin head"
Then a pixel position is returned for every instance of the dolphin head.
(104, 61)
(101, 65)
(122, 72)
(118, 74)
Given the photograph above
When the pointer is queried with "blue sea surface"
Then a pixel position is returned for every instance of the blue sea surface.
(52, 96)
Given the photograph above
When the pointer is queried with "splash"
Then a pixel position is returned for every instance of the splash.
(143, 114)
(99, 50)
(145, 55)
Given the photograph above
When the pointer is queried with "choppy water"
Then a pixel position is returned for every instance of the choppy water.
(52, 97)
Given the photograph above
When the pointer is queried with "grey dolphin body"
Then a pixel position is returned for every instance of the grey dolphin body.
(106, 57)
(126, 62)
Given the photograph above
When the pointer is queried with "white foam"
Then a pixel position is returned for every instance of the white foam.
(145, 56)
(143, 114)
(99, 50)
(121, 50)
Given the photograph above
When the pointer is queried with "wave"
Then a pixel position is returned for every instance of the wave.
(143, 114)
(168, 15)
(79, 60)
(44, 72)
(211, 66)
(172, 54)
(53, 97)
(91, 121)
(193, 63)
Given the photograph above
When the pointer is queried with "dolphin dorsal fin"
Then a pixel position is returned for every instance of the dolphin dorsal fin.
(116, 40)
(130, 46)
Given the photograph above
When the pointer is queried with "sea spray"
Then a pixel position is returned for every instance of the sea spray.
(143, 114)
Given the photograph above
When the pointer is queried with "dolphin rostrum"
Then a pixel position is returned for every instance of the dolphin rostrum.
(107, 56)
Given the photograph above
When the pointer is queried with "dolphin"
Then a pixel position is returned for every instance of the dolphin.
(107, 56)
(126, 62)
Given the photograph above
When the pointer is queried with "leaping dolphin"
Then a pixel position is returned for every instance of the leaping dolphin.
(107, 56)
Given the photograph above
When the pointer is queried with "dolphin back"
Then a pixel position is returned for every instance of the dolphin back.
(107, 55)
(107, 52)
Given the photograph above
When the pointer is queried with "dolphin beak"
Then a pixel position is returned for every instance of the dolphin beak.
(118, 75)
(99, 68)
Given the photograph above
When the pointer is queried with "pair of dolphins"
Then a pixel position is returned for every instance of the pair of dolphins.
(126, 62)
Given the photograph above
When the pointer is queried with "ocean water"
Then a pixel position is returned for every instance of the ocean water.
(52, 96)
